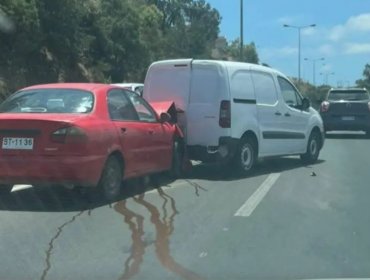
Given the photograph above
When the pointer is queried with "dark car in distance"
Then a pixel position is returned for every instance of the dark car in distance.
(346, 109)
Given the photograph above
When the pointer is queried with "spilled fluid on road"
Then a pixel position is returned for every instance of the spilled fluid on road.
(163, 222)
(133, 262)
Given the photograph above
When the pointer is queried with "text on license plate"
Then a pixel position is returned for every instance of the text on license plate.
(350, 118)
(11, 143)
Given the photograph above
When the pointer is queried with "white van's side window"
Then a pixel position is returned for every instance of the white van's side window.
(265, 88)
(242, 85)
(290, 95)
(205, 85)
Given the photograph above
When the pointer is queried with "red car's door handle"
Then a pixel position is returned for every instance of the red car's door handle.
(151, 132)
(123, 129)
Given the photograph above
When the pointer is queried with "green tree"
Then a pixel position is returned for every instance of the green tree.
(365, 82)
(249, 52)
(100, 40)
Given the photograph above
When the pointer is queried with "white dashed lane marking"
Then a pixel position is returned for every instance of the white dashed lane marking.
(252, 202)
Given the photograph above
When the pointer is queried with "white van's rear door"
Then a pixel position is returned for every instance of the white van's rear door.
(209, 85)
(170, 81)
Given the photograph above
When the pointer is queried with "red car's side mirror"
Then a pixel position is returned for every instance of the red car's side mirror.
(164, 117)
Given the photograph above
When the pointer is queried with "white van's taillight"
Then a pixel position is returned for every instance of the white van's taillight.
(324, 106)
(368, 104)
(225, 114)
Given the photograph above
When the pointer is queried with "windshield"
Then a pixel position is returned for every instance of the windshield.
(66, 101)
(348, 95)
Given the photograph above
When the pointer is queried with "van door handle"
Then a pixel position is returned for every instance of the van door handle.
(287, 115)
(278, 114)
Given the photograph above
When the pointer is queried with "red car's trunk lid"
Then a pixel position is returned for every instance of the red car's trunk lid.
(31, 134)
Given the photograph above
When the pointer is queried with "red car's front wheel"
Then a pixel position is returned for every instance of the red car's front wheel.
(5, 188)
(177, 159)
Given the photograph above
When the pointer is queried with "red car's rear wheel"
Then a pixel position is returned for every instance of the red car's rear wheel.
(111, 179)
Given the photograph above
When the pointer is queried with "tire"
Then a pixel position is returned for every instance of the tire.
(246, 156)
(176, 170)
(111, 179)
(4, 189)
(313, 148)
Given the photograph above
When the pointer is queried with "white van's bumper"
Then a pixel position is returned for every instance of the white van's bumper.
(223, 152)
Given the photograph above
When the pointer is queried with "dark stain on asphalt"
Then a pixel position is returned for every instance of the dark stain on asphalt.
(197, 187)
(51, 243)
(171, 219)
(138, 244)
(164, 228)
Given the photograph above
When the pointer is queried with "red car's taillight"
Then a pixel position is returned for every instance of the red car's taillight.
(324, 106)
(225, 114)
(68, 134)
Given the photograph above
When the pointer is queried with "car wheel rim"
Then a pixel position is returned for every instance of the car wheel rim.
(246, 157)
(313, 147)
(113, 181)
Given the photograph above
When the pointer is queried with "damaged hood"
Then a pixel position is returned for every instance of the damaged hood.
(165, 107)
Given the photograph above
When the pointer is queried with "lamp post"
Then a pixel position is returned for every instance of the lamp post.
(241, 30)
(299, 28)
(326, 77)
(314, 67)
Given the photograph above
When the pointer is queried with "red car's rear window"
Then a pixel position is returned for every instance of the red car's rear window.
(64, 101)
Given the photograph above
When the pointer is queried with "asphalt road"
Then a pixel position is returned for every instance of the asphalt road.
(282, 222)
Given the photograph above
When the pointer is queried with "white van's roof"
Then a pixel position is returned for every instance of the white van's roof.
(227, 64)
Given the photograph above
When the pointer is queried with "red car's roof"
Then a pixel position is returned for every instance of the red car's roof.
(81, 86)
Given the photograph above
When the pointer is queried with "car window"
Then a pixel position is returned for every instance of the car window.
(120, 107)
(242, 85)
(143, 109)
(265, 89)
(65, 101)
(206, 85)
(335, 95)
(289, 93)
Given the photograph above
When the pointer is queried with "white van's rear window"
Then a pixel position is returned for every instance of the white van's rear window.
(242, 85)
(205, 84)
(265, 88)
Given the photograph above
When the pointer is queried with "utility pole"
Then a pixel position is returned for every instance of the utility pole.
(314, 67)
(299, 28)
(241, 30)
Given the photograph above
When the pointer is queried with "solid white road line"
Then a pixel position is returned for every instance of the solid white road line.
(17, 188)
(248, 207)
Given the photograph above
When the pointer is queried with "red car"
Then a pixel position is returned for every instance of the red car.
(83, 135)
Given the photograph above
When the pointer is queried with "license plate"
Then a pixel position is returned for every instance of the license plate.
(348, 118)
(11, 143)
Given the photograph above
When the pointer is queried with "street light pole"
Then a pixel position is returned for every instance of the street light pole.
(241, 30)
(299, 28)
(326, 77)
(314, 67)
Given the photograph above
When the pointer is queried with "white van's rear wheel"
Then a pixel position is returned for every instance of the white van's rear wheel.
(245, 156)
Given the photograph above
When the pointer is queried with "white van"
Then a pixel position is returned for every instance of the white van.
(236, 111)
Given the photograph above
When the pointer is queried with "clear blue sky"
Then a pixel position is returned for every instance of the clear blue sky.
(342, 35)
